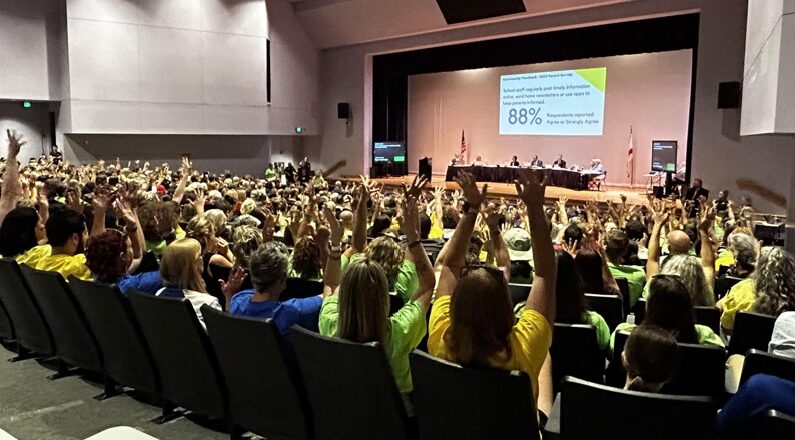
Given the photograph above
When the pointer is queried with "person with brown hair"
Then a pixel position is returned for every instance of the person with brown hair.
(472, 321)
(359, 310)
(650, 358)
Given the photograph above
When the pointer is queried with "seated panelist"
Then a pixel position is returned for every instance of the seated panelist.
(536, 162)
(559, 162)
(514, 161)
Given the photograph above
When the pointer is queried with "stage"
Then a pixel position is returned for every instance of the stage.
(635, 196)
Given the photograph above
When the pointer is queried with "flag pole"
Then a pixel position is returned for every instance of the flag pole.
(632, 164)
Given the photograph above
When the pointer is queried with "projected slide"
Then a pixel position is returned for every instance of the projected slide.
(561, 103)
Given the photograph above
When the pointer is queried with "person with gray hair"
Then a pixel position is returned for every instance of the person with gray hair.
(267, 267)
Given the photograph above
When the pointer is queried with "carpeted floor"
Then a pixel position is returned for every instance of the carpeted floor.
(32, 407)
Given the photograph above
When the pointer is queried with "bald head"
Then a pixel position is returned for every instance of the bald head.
(679, 243)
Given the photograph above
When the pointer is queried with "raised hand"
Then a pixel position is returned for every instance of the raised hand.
(415, 189)
(409, 223)
(706, 218)
(233, 283)
(334, 226)
(102, 199)
(125, 211)
(472, 194)
(73, 200)
(15, 143)
(529, 189)
(570, 246)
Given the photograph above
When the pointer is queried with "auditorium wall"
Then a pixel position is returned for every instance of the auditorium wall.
(719, 155)
(650, 92)
(30, 123)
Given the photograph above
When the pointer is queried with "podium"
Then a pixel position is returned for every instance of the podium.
(426, 167)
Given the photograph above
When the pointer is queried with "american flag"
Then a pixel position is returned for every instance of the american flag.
(630, 154)
(463, 144)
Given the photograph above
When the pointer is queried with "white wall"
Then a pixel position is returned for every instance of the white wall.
(31, 123)
(720, 156)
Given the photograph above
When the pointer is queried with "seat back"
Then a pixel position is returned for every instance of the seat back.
(189, 370)
(575, 352)
(271, 401)
(609, 306)
(700, 373)
(447, 397)
(640, 311)
(751, 330)
(775, 425)
(395, 303)
(723, 284)
(74, 341)
(30, 328)
(6, 328)
(709, 316)
(125, 353)
(149, 263)
(616, 375)
(301, 288)
(589, 411)
(350, 387)
(623, 286)
(519, 292)
(761, 362)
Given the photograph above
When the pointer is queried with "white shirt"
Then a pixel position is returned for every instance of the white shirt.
(197, 300)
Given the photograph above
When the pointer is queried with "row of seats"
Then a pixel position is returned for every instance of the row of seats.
(245, 376)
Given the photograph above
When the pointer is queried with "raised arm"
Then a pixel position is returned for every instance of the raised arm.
(411, 227)
(542, 296)
(359, 238)
(12, 190)
(707, 218)
(99, 203)
(564, 216)
(331, 276)
(179, 192)
(455, 256)
(132, 227)
(498, 246)
(653, 263)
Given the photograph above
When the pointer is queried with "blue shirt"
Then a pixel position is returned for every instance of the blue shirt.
(146, 282)
(301, 311)
(757, 396)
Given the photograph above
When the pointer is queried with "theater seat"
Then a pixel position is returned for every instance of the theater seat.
(609, 306)
(591, 411)
(74, 341)
(189, 371)
(775, 425)
(350, 387)
(700, 373)
(709, 316)
(266, 393)
(623, 287)
(301, 288)
(762, 362)
(751, 330)
(125, 353)
(6, 328)
(519, 292)
(723, 284)
(452, 402)
(30, 330)
(575, 352)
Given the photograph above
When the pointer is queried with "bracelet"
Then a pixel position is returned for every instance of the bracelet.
(415, 243)
(336, 249)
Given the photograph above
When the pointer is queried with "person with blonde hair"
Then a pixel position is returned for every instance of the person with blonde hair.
(181, 272)
(359, 310)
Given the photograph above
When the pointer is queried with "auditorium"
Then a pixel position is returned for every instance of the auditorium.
(397, 219)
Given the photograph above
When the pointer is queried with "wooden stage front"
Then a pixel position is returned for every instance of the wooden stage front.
(635, 196)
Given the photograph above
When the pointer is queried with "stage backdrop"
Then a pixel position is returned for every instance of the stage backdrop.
(650, 92)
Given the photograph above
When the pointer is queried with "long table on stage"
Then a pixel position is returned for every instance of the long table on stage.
(560, 177)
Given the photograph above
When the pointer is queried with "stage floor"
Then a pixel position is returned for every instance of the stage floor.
(635, 196)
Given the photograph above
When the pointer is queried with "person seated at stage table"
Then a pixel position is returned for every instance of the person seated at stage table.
(597, 167)
(457, 160)
(536, 162)
(514, 161)
(559, 162)
(479, 162)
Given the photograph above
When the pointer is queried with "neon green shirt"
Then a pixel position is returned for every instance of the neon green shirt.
(704, 334)
(406, 282)
(635, 276)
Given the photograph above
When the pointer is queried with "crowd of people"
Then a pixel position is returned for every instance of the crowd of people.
(233, 242)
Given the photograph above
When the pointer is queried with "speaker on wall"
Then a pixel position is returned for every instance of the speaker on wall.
(343, 110)
(729, 94)
(460, 11)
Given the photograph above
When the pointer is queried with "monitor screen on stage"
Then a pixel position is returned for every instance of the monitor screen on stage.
(392, 152)
(663, 155)
(559, 103)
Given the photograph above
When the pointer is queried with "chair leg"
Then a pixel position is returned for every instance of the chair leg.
(111, 389)
(170, 412)
(22, 354)
(236, 433)
(63, 371)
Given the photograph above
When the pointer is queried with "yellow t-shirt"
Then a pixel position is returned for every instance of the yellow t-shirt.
(436, 230)
(741, 297)
(66, 265)
(530, 340)
(34, 254)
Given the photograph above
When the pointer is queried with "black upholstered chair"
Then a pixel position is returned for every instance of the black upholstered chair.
(709, 316)
(30, 329)
(700, 373)
(623, 287)
(751, 330)
(189, 370)
(350, 387)
(775, 425)
(6, 328)
(575, 352)
(519, 292)
(266, 392)
(453, 402)
(75, 344)
(125, 353)
(590, 411)
(301, 288)
(762, 362)
(609, 306)
(723, 284)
